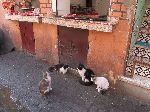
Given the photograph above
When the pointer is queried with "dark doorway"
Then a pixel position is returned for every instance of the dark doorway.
(88, 3)
(73, 45)
(27, 35)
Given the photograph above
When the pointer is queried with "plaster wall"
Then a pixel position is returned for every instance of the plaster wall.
(107, 51)
(46, 42)
(12, 37)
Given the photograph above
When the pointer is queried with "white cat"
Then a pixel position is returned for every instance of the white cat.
(45, 84)
(101, 82)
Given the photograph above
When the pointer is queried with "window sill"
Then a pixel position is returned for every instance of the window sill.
(104, 26)
(36, 19)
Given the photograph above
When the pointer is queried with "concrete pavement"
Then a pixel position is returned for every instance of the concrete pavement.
(22, 72)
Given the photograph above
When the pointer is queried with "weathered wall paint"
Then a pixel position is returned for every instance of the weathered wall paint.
(138, 20)
(46, 42)
(45, 38)
(11, 32)
(107, 51)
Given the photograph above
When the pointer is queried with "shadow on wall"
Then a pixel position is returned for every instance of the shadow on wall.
(6, 44)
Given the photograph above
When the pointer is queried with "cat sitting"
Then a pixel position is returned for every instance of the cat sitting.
(102, 84)
(85, 73)
(61, 68)
(45, 84)
(113, 78)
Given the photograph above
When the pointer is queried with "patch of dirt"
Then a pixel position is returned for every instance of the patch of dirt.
(6, 103)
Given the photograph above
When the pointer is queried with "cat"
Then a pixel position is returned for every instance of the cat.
(85, 73)
(102, 84)
(45, 84)
(112, 77)
(61, 68)
(64, 69)
(55, 67)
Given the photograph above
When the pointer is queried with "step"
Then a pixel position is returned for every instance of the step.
(139, 81)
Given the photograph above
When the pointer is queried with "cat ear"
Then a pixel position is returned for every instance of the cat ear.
(47, 73)
(43, 73)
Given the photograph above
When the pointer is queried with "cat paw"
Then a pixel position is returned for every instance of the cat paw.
(82, 79)
(99, 90)
(86, 80)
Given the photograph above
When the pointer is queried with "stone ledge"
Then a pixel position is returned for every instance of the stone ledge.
(138, 81)
(36, 19)
(104, 26)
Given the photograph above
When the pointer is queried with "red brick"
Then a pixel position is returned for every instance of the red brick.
(114, 1)
(44, 1)
(45, 10)
(116, 14)
(50, 1)
(124, 15)
(45, 14)
(122, 0)
(43, 5)
(116, 7)
(48, 5)
(123, 7)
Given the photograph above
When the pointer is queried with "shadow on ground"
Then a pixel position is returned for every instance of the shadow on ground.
(7, 104)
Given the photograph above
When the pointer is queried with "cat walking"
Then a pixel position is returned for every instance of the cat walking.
(61, 68)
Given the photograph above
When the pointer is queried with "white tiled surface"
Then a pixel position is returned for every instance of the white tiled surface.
(138, 81)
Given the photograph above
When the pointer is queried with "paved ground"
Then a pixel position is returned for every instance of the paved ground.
(21, 73)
